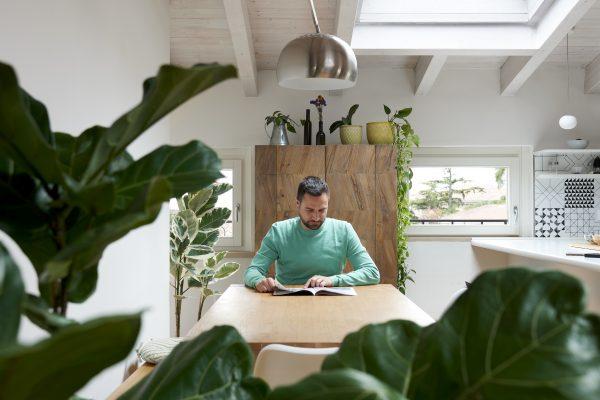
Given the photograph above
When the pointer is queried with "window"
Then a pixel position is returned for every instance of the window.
(230, 233)
(466, 191)
(235, 233)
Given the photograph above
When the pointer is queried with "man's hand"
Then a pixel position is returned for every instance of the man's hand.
(266, 285)
(319, 281)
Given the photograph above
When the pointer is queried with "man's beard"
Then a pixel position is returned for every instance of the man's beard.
(312, 225)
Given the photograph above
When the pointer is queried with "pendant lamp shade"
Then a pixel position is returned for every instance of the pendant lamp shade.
(317, 61)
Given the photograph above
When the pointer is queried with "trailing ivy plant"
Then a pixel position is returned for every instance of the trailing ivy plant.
(194, 232)
(405, 141)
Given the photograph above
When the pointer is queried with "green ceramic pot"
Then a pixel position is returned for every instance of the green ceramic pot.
(380, 133)
(351, 134)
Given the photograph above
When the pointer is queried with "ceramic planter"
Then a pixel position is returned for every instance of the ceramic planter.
(380, 133)
(351, 134)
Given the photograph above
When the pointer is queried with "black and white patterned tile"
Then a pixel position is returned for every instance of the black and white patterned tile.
(549, 193)
(579, 193)
(580, 221)
(549, 222)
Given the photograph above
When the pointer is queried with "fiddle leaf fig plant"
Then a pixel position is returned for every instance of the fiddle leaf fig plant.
(194, 232)
(514, 334)
(347, 120)
(66, 198)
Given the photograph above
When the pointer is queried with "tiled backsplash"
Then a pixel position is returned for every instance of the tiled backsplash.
(566, 207)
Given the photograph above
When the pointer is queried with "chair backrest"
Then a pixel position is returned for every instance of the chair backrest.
(279, 364)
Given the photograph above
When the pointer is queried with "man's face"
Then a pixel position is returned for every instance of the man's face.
(312, 210)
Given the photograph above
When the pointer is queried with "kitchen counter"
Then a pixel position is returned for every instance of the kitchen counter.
(544, 249)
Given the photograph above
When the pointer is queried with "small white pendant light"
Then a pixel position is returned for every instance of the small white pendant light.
(317, 61)
(568, 121)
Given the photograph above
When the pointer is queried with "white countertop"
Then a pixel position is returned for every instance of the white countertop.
(548, 249)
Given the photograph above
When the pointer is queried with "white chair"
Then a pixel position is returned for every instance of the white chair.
(279, 364)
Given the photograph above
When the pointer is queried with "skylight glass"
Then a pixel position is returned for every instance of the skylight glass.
(450, 12)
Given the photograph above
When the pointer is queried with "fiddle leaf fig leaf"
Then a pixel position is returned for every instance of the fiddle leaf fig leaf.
(385, 351)
(515, 333)
(217, 364)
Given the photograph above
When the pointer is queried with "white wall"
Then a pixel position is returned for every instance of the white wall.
(463, 108)
(86, 60)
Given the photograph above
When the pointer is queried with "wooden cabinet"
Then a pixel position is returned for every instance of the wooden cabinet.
(362, 184)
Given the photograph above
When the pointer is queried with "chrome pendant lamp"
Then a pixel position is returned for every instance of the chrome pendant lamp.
(317, 61)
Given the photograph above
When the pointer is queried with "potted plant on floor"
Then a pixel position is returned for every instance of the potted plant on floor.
(281, 125)
(349, 134)
(194, 232)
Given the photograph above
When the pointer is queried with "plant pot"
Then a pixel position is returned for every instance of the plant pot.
(380, 133)
(351, 134)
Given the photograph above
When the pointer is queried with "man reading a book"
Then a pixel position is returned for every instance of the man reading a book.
(311, 249)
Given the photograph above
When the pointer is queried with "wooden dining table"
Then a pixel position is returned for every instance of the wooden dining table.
(305, 321)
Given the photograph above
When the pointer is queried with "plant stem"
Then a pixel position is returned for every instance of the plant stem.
(202, 298)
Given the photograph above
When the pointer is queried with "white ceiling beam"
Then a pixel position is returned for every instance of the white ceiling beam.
(347, 12)
(592, 76)
(558, 21)
(243, 47)
(426, 72)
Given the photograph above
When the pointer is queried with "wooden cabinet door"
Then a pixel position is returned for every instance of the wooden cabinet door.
(294, 163)
(350, 172)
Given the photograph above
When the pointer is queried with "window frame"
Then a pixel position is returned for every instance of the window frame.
(238, 159)
(512, 157)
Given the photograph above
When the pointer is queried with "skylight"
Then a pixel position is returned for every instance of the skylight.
(452, 12)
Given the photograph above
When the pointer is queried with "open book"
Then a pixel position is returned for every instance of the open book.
(315, 291)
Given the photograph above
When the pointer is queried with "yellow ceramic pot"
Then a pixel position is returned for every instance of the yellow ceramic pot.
(380, 133)
(351, 134)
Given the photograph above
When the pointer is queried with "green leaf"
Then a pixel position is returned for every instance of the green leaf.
(199, 199)
(186, 168)
(342, 384)
(89, 238)
(38, 312)
(178, 228)
(291, 128)
(386, 109)
(213, 219)
(227, 270)
(162, 94)
(514, 334)
(207, 238)
(25, 131)
(57, 367)
(191, 222)
(335, 126)
(351, 113)
(196, 251)
(385, 351)
(12, 295)
(215, 365)
(405, 112)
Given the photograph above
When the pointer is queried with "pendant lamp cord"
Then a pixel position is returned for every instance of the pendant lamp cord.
(314, 16)
(568, 74)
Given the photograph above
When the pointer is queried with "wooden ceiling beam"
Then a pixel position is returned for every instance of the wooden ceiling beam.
(592, 76)
(243, 47)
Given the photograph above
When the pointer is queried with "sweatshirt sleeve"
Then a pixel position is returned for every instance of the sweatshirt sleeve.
(365, 271)
(266, 255)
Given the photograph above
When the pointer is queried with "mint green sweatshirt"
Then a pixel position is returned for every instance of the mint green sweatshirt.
(299, 254)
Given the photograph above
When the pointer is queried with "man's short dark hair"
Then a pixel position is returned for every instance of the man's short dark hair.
(312, 185)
